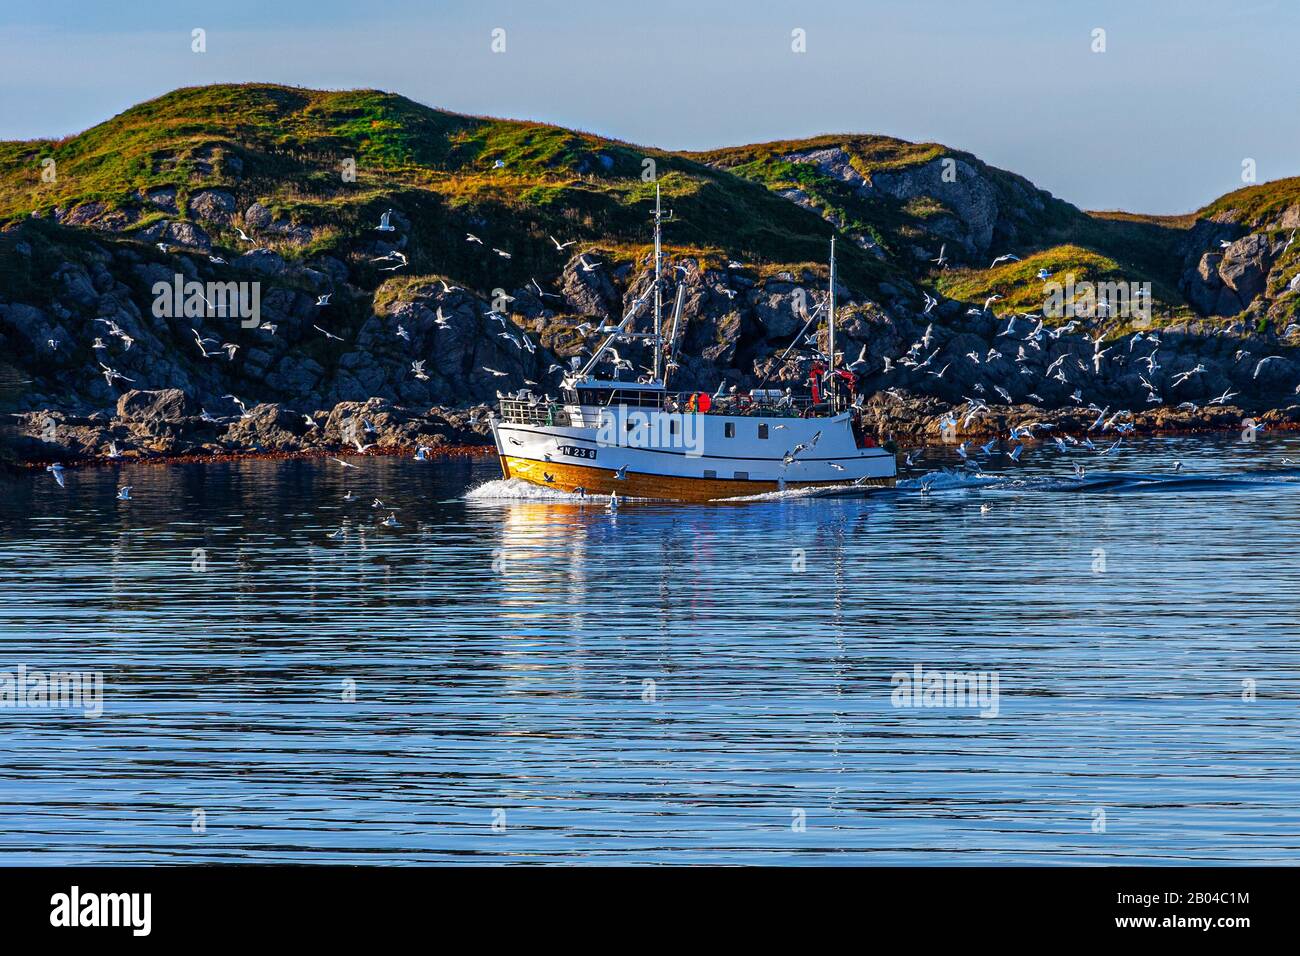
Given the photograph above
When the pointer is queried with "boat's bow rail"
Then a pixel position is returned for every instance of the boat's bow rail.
(520, 411)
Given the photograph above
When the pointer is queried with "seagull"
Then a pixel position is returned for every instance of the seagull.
(1005, 258)
(561, 246)
(422, 453)
(391, 521)
(417, 369)
(494, 372)
(588, 266)
(470, 237)
(217, 260)
(1222, 399)
(941, 260)
(990, 300)
(324, 299)
(124, 493)
(57, 471)
(202, 343)
(621, 474)
(542, 293)
(1262, 362)
(1184, 376)
(244, 236)
(384, 224)
(1015, 452)
(345, 464)
(328, 335)
(110, 374)
(501, 252)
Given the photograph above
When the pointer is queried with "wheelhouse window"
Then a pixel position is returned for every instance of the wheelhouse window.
(762, 430)
(631, 397)
(729, 429)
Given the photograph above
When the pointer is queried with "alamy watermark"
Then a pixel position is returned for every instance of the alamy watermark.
(623, 427)
(193, 299)
(959, 689)
(53, 689)
(1087, 300)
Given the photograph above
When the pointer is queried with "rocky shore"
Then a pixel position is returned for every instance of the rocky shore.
(165, 425)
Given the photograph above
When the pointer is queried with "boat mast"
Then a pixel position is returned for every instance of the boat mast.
(830, 374)
(659, 257)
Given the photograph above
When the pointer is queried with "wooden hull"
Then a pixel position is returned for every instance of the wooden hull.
(601, 481)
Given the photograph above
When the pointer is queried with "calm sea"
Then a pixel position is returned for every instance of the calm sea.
(512, 677)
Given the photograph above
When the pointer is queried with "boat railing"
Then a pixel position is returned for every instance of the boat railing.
(537, 410)
(521, 411)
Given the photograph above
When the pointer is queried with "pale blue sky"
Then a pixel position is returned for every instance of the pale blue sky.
(1159, 123)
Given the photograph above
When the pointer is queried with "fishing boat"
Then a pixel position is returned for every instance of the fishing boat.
(639, 439)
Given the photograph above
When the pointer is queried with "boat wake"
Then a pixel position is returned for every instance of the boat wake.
(938, 482)
(516, 489)
(1103, 482)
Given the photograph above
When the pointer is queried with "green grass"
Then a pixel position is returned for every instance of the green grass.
(285, 147)
(1022, 291)
(1256, 206)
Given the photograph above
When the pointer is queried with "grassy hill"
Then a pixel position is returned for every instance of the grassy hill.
(772, 206)
(511, 183)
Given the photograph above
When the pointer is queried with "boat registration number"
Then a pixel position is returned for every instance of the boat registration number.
(573, 451)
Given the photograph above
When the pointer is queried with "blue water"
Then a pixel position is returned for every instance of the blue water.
(501, 649)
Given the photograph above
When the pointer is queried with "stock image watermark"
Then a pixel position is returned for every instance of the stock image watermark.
(194, 299)
(958, 690)
(52, 690)
(1088, 300)
(624, 427)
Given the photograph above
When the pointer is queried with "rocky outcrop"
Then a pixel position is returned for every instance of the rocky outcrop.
(166, 405)
(965, 205)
